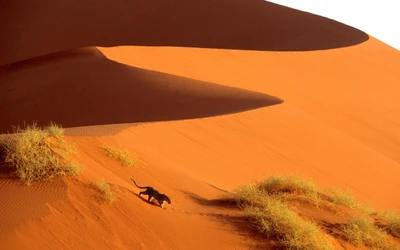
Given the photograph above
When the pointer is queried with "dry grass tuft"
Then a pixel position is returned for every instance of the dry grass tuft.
(121, 155)
(346, 198)
(304, 189)
(272, 217)
(38, 154)
(391, 222)
(108, 194)
(290, 183)
(268, 205)
(54, 130)
(363, 233)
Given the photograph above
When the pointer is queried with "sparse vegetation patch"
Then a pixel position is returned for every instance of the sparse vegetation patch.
(270, 206)
(288, 184)
(363, 233)
(39, 153)
(54, 130)
(341, 197)
(121, 155)
(108, 194)
(272, 217)
(304, 189)
(391, 222)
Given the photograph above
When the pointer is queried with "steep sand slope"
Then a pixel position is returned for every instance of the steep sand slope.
(338, 123)
(338, 120)
(327, 128)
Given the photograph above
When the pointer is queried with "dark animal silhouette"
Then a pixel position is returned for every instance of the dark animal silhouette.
(152, 192)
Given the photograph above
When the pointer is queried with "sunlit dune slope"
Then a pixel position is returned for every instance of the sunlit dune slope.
(219, 94)
(332, 127)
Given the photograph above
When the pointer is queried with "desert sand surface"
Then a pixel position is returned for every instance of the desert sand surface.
(208, 95)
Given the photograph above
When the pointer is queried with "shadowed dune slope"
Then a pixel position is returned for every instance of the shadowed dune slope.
(81, 88)
(35, 28)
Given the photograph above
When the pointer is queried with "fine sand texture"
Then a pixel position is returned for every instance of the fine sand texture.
(208, 95)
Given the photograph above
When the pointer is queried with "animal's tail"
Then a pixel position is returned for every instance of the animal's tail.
(137, 184)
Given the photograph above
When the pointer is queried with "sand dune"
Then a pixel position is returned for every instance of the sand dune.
(32, 28)
(202, 120)
(19, 204)
(89, 89)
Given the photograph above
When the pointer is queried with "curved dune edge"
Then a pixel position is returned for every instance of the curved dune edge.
(338, 125)
(327, 129)
(332, 127)
(83, 88)
(223, 24)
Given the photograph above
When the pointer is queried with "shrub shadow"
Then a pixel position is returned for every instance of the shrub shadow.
(240, 224)
(227, 202)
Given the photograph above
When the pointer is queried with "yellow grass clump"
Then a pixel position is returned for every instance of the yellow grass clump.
(391, 222)
(39, 153)
(108, 194)
(54, 130)
(302, 187)
(346, 198)
(306, 190)
(272, 217)
(363, 233)
(270, 206)
(121, 155)
(290, 183)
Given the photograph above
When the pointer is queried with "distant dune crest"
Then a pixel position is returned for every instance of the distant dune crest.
(31, 29)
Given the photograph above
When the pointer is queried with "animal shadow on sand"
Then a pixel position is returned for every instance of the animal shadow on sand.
(152, 201)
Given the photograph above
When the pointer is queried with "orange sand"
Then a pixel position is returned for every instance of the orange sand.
(218, 94)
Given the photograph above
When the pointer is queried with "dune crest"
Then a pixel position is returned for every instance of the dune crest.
(224, 24)
(209, 95)
(111, 93)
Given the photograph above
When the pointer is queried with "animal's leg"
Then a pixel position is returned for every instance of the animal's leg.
(162, 204)
(143, 192)
(150, 196)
